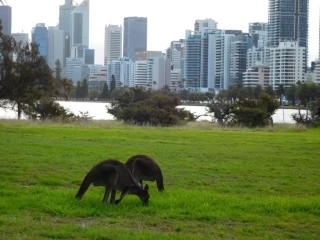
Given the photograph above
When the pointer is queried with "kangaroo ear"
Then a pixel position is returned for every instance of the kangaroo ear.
(146, 187)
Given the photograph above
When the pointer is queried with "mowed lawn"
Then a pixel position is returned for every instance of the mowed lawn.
(219, 183)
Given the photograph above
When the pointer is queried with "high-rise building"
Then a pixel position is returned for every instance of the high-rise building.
(40, 36)
(21, 37)
(259, 32)
(219, 59)
(123, 71)
(64, 24)
(192, 60)
(6, 19)
(55, 47)
(112, 43)
(238, 64)
(288, 21)
(256, 75)
(79, 28)
(286, 64)
(134, 36)
(205, 24)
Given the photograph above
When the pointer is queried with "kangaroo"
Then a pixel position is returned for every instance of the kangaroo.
(113, 175)
(144, 167)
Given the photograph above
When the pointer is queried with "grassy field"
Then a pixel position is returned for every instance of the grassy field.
(219, 183)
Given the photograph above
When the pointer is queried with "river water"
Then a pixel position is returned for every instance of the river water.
(98, 111)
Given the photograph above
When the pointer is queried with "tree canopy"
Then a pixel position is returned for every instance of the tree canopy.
(140, 106)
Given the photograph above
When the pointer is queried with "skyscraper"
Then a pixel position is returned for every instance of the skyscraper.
(79, 28)
(40, 36)
(288, 21)
(55, 47)
(21, 37)
(6, 18)
(112, 43)
(134, 36)
(64, 24)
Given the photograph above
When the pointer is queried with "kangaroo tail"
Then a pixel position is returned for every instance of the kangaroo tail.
(84, 186)
(159, 181)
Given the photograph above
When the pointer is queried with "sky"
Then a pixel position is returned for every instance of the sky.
(167, 19)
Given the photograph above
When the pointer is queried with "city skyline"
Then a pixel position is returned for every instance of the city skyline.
(166, 22)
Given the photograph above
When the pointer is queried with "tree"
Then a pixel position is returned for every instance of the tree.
(112, 84)
(141, 107)
(78, 90)
(63, 86)
(32, 79)
(84, 88)
(269, 90)
(244, 112)
(290, 93)
(105, 91)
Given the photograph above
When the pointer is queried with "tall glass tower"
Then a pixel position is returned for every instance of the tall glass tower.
(6, 18)
(64, 24)
(134, 36)
(79, 29)
(288, 21)
(40, 36)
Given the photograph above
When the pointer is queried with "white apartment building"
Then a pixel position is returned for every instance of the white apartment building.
(256, 56)
(123, 70)
(256, 75)
(55, 47)
(205, 24)
(112, 43)
(287, 64)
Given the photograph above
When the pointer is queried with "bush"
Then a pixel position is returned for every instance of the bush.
(141, 107)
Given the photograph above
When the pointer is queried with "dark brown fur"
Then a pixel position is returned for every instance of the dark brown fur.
(113, 175)
(145, 168)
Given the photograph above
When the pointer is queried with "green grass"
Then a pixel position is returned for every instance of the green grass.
(219, 183)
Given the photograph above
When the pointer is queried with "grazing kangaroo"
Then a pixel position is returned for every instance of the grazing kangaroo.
(144, 167)
(113, 175)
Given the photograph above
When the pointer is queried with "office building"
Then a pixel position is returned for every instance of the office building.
(71, 63)
(219, 48)
(64, 24)
(134, 36)
(192, 60)
(288, 21)
(317, 71)
(238, 65)
(21, 37)
(40, 36)
(112, 43)
(287, 64)
(123, 71)
(6, 19)
(55, 47)
(79, 28)
(175, 53)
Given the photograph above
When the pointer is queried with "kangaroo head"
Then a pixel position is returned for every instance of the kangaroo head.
(141, 192)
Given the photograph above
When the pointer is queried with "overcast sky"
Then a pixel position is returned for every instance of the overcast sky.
(167, 19)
